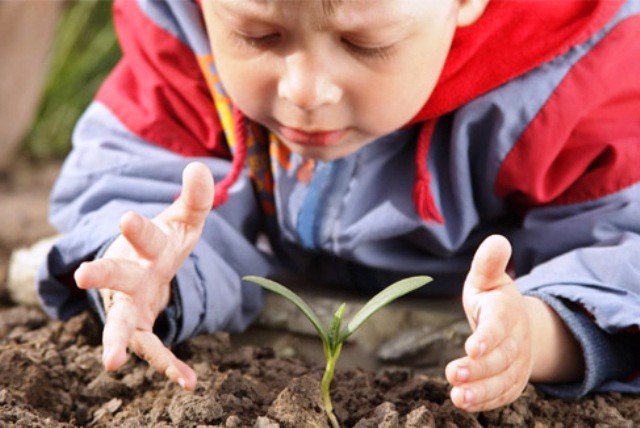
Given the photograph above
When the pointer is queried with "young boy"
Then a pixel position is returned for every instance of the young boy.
(370, 140)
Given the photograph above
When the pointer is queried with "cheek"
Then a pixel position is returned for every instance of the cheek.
(400, 96)
(395, 101)
(252, 92)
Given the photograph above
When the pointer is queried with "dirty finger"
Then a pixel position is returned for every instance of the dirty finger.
(149, 347)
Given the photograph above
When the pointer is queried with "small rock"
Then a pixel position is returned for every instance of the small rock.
(23, 266)
(265, 422)
(108, 408)
(424, 344)
(385, 416)
(113, 405)
(233, 421)
(420, 417)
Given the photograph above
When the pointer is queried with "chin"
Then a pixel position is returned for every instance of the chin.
(324, 153)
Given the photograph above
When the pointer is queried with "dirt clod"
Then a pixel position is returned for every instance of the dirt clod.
(186, 408)
(299, 404)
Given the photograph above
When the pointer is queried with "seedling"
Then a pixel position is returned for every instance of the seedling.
(332, 336)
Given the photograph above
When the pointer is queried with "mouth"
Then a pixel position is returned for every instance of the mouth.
(312, 138)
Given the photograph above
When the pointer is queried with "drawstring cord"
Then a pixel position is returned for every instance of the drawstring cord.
(422, 195)
(239, 158)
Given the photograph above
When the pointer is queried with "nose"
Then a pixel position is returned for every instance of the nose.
(307, 84)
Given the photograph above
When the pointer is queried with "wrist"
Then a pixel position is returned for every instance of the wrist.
(556, 354)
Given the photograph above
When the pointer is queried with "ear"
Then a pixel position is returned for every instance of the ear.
(470, 10)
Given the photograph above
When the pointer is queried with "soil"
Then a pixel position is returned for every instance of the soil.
(51, 375)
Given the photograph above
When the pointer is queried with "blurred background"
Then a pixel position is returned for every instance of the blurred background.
(53, 56)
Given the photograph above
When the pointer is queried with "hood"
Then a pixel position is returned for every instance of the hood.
(511, 38)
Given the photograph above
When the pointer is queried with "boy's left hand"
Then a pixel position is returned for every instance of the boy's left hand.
(135, 273)
(499, 357)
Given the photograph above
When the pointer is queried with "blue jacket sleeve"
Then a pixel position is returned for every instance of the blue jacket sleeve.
(111, 171)
(586, 268)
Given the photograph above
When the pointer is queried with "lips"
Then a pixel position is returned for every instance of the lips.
(312, 138)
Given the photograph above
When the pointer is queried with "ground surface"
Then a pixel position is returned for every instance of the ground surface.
(50, 372)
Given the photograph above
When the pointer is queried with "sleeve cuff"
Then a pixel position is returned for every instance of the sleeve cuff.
(606, 356)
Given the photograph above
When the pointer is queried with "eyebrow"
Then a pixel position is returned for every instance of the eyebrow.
(329, 6)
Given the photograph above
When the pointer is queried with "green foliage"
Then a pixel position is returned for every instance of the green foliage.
(84, 51)
(386, 296)
(332, 337)
(293, 298)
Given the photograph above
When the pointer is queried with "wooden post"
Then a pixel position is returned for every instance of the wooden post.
(27, 30)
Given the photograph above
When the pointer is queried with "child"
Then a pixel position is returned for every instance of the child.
(370, 141)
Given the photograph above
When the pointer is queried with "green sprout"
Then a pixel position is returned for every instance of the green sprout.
(333, 337)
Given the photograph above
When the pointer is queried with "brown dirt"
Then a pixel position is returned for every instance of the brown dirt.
(50, 375)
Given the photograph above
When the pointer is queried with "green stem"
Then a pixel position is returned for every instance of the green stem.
(327, 377)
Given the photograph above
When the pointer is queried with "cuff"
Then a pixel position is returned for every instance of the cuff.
(606, 356)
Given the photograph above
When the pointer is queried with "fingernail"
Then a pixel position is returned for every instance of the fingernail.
(182, 383)
(468, 396)
(463, 374)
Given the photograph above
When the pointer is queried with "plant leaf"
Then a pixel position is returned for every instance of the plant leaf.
(333, 332)
(293, 298)
(389, 294)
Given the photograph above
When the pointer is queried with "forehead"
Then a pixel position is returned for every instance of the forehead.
(341, 12)
(327, 6)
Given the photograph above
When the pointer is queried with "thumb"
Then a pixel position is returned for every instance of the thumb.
(489, 265)
(487, 272)
(196, 199)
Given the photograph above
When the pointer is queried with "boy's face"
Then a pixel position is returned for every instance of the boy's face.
(330, 77)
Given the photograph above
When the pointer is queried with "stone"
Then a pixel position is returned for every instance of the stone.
(23, 267)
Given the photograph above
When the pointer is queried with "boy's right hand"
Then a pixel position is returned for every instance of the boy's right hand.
(135, 273)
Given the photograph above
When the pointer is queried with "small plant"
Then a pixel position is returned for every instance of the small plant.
(333, 337)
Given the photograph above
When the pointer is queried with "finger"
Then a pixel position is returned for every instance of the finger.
(195, 201)
(466, 369)
(489, 393)
(115, 274)
(118, 330)
(493, 324)
(144, 236)
(504, 387)
(488, 268)
(149, 347)
(503, 400)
